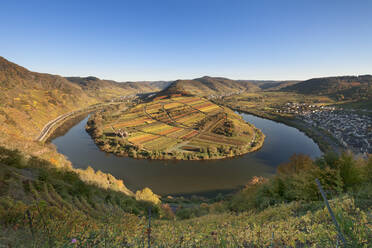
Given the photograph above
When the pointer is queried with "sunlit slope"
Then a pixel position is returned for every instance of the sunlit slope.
(340, 88)
(28, 100)
(104, 90)
(208, 86)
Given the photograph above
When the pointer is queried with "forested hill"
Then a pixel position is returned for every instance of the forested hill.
(345, 87)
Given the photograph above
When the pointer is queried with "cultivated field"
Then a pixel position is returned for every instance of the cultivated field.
(174, 126)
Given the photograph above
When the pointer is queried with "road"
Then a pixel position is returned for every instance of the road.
(50, 125)
(46, 129)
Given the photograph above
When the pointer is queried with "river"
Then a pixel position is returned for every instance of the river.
(190, 177)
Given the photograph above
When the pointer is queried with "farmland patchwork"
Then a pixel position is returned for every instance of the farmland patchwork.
(174, 126)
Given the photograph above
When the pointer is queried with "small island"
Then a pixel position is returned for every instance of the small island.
(174, 125)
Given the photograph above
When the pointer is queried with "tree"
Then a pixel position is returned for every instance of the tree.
(147, 195)
(296, 164)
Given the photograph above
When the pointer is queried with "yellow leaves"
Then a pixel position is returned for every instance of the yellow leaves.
(256, 229)
(147, 195)
(103, 180)
(307, 218)
(53, 161)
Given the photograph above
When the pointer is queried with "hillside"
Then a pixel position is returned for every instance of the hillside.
(29, 99)
(273, 85)
(207, 86)
(345, 87)
(60, 204)
(173, 89)
(217, 86)
(107, 89)
(44, 207)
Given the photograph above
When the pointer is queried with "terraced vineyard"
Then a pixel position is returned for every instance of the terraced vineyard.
(174, 126)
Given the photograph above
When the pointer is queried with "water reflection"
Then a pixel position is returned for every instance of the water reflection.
(177, 177)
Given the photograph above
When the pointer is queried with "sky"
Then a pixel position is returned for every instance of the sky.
(184, 39)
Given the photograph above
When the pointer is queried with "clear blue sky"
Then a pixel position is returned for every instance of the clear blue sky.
(155, 39)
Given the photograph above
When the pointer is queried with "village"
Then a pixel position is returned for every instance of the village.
(353, 130)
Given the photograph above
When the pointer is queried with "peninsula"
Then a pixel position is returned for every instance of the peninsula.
(174, 124)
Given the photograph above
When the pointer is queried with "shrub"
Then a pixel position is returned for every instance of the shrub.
(11, 157)
(295, 181)
(349, 171)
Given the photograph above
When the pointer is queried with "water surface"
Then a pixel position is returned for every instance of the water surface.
(189, 177)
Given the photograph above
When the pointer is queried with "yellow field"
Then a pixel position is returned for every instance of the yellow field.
(209, 109)
(172, 105)
(155, 128)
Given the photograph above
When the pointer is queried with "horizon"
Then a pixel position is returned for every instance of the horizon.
(173, 80)
(167, 41)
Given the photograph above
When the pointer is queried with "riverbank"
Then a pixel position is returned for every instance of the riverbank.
(125, 149)
(324, 140)
(174, 128)
(168, 177)
(49, 129)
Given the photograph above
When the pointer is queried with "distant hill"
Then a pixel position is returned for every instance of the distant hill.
(207, 86)
(108, 89)
(153, 84)
(345, 87)
(273, 85)
(172, 90)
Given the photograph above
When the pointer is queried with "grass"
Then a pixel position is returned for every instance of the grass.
(41, 206)
(285, 225)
